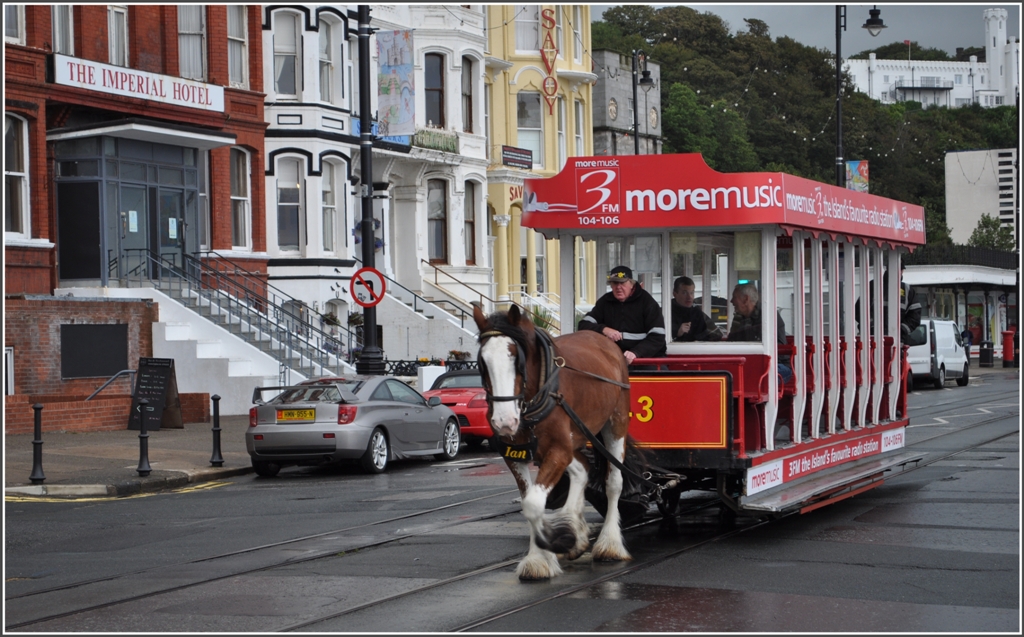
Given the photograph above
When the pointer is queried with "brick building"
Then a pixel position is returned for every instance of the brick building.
(132, 132)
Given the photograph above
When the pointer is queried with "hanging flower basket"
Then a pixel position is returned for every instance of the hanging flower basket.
(359, 225)
(378, 245)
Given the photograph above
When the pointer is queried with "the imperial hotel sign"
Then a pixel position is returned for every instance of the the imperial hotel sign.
(118, 80)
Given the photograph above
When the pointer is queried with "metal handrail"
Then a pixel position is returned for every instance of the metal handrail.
(453, 278)
(119, 374)
(309, 346)
(416, 299)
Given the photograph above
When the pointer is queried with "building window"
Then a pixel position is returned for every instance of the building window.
(434, 89)
(467, 95)
(530, 125)
(959, 79)
(117, 34)
(16, 219)
(487, 120)
(561, 134)
(559, 32)
(577, 35)
(629, 109)
(327, 65)
(192, 41)
(579, 128)
(527, 19)
(885, 79)
(239, 198)
(238, 57)
(329, 204)
(286, 54)
(63, 31)
(289, 203)
(14, 24)
(469, 216)
(437, 221)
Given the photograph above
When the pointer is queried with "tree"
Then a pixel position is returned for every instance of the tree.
(990, 233)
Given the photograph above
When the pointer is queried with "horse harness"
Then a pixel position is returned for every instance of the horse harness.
(540, 406)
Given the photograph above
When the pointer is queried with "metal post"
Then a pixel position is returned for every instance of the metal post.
(216, 459)
(371, 359)
(840, 26)
(144, 469)
(636, 108)
(37, 476)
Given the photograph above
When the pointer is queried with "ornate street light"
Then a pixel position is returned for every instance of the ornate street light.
(874, 25)
(645, 81)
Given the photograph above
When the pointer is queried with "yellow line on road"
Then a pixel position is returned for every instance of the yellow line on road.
(49, 498)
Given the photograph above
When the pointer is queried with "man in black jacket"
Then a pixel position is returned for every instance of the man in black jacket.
(689, 322)
(629, 316)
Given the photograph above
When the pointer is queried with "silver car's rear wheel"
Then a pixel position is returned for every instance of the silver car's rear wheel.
(375, 460)
(450, 441)
(265, 469)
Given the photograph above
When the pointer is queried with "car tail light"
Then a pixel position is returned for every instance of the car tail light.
(346, 414)
(328, 435)
(252, 417)
(479, 401)
(258, 437)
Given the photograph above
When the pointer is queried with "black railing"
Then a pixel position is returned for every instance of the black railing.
(961, 255)
(408, 368)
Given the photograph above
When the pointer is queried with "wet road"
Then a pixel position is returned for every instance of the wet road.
(431, 547)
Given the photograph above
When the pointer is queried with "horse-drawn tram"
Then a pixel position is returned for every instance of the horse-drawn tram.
(722, 415)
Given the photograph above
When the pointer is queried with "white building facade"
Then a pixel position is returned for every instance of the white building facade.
(980, 182)
(994, 82)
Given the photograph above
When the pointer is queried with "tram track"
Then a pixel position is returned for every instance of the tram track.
(652, 559)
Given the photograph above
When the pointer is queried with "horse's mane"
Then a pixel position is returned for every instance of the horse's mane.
(500, 323)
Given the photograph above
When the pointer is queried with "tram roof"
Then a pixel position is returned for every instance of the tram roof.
(660, 191)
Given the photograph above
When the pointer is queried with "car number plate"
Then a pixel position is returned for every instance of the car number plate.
(296, 414)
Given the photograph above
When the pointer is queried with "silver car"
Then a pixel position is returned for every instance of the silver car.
(372, 419)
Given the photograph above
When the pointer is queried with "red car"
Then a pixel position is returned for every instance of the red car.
(463, 392)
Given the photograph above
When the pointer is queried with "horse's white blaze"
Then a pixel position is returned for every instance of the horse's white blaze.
(501, 367)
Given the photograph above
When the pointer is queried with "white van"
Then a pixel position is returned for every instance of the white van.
(936, 353)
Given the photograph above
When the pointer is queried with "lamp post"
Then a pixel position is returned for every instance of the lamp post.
(874, 25)
(639, 64)
(371, 359)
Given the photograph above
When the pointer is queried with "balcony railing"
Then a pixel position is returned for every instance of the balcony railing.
(962, 255)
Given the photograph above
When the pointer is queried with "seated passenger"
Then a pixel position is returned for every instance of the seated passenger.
(690, 323)
(746, 323)
(629, 316)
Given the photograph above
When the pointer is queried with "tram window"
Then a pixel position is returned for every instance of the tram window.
(642, 254)
(704, 258)
(784, 281)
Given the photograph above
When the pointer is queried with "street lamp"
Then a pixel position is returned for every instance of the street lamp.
(645, 81)
(874, 25)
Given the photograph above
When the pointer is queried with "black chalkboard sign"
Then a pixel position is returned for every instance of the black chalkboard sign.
(156, 383)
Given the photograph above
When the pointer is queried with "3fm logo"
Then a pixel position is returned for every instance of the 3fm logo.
(598, 191)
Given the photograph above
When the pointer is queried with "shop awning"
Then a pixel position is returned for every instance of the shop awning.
(148, 131)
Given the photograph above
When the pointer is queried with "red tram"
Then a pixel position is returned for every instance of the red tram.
(717, 412)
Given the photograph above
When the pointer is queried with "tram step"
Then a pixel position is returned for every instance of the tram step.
(814, 487)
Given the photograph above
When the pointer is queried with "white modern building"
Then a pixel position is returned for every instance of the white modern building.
(980, 182)
(992, 82)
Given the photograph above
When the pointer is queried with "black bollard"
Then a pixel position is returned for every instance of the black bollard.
(144, 468)
(216, 459)
(37, 476)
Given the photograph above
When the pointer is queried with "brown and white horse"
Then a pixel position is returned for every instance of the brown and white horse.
(533, 383)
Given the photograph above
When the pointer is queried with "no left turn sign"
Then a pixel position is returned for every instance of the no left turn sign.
(367, 287)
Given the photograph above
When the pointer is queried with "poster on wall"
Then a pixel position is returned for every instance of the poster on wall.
(857, 175)
(976, 321)
(396, 94)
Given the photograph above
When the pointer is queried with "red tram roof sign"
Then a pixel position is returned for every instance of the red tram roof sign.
(658, 191)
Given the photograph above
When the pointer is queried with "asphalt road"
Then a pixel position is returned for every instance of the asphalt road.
(316, 550)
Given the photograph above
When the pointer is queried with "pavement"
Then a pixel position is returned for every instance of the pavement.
(105, 463)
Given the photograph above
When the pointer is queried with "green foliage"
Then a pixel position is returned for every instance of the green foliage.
(992, 234)
(748, 103)
(898, 51)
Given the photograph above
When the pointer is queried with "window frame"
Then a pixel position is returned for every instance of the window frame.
(523, 19)
(243, 42)
(467, 94)
(24, 215)
(442, 221)
(189, 36)
(117, 14)
(60, 32)
(469, 217)
(559, 33)
(580, 120)
(295, 52)
(333, 169)
(244, 199)
(538, 160)
(300, 171)
(577, 34)
(433, 92)
(19, 24)
(333, 51)
(560, 125)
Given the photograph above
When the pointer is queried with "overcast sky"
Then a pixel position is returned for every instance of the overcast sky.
(934, 25)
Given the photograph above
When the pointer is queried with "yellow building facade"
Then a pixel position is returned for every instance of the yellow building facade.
(539, 81)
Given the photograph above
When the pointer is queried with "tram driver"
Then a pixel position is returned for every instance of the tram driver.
(629, 316)
(746, 324)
